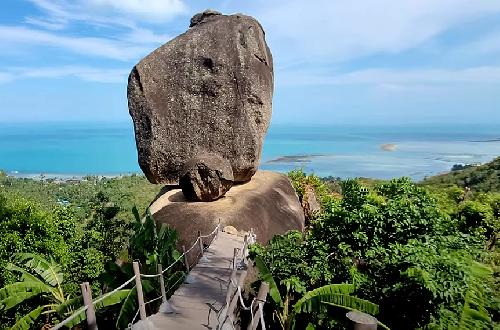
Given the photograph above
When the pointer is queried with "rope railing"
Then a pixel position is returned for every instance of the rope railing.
(234, 293)
(89, 307)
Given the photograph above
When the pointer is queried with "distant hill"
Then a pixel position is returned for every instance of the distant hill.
(484, 177)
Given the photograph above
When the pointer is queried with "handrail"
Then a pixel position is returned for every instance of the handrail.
(104, 296)
(226, 311)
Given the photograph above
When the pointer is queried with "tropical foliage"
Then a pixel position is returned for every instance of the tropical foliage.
(422, 255)
(412, 250)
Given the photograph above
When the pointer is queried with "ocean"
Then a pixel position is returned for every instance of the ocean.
(377, 151)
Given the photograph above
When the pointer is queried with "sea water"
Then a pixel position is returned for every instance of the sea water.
(378, 151)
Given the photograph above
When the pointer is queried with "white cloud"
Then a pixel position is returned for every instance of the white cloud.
(157, 10)
(342, 30)
(94, 74)
(49, 24)
(108, 48)
(111, 12)
(394, 79)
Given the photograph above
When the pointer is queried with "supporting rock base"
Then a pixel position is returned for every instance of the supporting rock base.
(267, 203)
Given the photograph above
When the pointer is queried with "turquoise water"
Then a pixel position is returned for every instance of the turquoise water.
(75, 149)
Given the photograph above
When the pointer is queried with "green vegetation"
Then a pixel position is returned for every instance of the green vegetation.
(485, 178)
(427, 256)
(80, 231)
(420, 255)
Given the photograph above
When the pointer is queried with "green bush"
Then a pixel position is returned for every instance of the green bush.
(398, 246)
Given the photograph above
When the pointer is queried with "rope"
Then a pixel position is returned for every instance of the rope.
(133, 320)
(213, 232)
(182, 255)
(176, 282)
(152, 300)
(115, 290)
(251, 239)
(238, 289)
(84, 308)
(261, 308)
(66, 321)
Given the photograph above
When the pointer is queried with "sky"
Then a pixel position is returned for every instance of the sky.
(336, 61)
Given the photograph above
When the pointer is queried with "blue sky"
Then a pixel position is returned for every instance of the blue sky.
(336, 61)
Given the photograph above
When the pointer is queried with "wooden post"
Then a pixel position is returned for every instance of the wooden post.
(261, 296)
(200, 243)
(138, 287)
(234, 301)
(87, 300)
(229, 296)
(235, 257)
(218, 230)
(245, 247)
(362, 321)
(186, 261)
(162, 284)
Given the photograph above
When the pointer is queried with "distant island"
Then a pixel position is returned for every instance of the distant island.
(388, 147)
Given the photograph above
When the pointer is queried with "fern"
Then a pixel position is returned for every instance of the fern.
(474, 314)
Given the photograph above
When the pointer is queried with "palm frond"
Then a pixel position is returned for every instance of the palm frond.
(352, 303)
(26, 322)
(266, 276)
(135, 212)
(13, 294)
(48, 270)
(25, 275)
(113, 299)
(69, 306)
(329, 293)
(128, 309)
(336, 294)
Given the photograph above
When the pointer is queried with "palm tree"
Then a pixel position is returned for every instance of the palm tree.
(43, 278)
(337, 295)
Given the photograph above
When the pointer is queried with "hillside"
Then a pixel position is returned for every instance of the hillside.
(484, 177)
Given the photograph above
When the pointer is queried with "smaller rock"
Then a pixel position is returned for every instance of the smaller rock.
(310, 203)
(231, 230)
(200, 17)
(206, 178)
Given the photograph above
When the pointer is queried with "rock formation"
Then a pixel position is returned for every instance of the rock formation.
(310, 203)
(201, 106)
(267, 203)
(206, 178)
(207, 91)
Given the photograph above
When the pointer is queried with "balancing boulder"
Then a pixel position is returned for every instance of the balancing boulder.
(208, 90)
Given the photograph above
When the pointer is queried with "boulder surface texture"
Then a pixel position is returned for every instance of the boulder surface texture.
(206, 178)
(267, 203)
(209, 90)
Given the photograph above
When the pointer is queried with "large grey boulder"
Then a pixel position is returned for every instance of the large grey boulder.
(209, 90)
(267, 203)
(206, 178)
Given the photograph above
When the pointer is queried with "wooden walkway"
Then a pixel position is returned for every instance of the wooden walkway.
(196, 303)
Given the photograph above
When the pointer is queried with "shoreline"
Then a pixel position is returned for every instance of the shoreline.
(66, 176)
